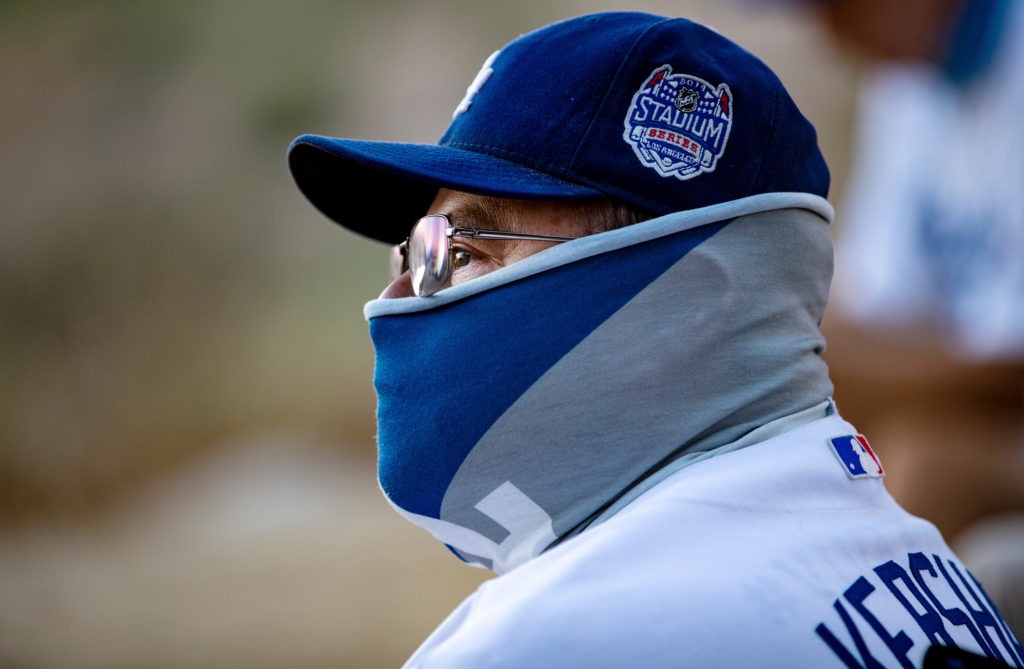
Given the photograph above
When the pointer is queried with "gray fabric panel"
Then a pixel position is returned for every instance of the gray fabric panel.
(724, 341)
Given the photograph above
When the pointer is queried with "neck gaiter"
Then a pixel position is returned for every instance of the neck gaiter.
(515, 408)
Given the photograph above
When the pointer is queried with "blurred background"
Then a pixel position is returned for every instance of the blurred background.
(186, 411)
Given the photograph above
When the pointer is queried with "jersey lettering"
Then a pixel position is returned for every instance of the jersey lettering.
(884, 615)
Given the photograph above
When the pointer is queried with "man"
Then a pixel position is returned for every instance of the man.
(599, 370)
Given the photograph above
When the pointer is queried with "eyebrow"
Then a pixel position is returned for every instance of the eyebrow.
(486, 213)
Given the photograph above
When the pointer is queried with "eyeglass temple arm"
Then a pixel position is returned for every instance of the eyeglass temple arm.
(495, 234)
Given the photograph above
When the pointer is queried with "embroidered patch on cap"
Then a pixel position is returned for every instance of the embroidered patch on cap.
(678, 124)
(857, 457)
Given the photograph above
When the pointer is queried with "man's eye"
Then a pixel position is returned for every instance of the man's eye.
(461, 259)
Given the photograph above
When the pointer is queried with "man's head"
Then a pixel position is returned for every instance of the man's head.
(657, 114)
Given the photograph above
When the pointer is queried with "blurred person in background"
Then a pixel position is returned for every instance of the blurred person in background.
(599, 371)
(926, 322)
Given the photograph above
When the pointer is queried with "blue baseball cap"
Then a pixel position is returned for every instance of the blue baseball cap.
(661, 113)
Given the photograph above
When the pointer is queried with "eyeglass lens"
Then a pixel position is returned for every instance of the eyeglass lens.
(427, 255)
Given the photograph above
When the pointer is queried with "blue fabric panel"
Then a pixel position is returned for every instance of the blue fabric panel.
(433, 366)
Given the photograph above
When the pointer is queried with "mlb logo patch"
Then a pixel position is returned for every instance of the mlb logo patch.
(856, 456)
(678, 124)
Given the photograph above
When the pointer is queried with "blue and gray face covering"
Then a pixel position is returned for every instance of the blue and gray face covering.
(515, 409)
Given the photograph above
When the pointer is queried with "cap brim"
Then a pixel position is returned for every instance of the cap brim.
(379, 189)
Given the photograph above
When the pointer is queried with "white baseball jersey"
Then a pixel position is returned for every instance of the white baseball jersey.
(786, 553)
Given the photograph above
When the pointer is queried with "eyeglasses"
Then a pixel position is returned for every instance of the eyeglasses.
(427, 252)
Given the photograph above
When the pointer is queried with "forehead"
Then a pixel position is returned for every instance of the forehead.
(461, 205)
(494, 213)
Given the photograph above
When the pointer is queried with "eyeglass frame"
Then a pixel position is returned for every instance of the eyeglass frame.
(402, 250)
